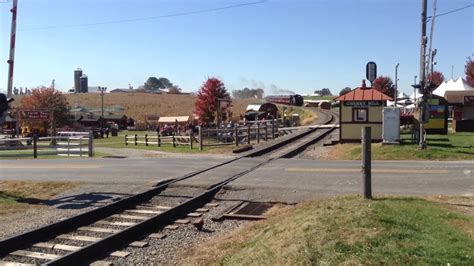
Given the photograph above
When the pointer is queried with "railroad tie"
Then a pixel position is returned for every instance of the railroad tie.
(98, 229)
(131, 217)
(158, 235)
(35, 255)
(138, 244)
(171, 227)
(127, 224)
(79, 238)
(11, 263)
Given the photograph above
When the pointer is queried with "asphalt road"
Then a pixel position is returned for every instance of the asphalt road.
(283, 179)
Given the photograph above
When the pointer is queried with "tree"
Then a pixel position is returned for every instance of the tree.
(344, 91)
(206, 103)
(436, 78)
(154, 83)
(384, 85)
(165, 83)
(325, 92)
(48, 98)
(469, 71)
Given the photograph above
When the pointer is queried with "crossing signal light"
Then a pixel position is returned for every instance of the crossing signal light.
(4, 106)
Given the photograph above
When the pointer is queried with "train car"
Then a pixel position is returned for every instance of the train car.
(295, 99)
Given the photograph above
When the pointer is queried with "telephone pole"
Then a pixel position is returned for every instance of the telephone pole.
(422, 84)
(12, 49)
(396, 83)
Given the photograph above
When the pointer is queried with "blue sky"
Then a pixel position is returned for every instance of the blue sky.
(293, 45)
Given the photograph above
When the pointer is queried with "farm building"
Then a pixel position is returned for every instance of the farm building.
(361, 107)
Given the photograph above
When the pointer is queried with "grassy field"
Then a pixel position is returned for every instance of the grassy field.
(307, 116)
(454, 146)
(329, 98)
(138, 105)
(348, 230)
(13, 192)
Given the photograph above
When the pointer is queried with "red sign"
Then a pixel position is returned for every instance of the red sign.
(35, 114)
(468, 100)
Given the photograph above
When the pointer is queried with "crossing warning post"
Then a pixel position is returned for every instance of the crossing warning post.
(367, 162)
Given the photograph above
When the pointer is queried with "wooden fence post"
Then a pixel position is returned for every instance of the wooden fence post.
(366, 162)
(248, 135)
(200, 137)
(159, 140)
(236, 130)
(126, 143)
(136, 139)
(258, 133)
(174, 144)
(191, 140)
(266, 131)
(35, 146)
(273, 128)
(90, 147)
(146, 139)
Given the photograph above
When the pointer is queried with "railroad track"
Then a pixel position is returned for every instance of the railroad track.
(102, 232)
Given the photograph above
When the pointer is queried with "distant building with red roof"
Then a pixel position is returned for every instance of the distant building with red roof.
(362, 106)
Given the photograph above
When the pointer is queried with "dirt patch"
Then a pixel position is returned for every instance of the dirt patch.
(339, 152)
(17, 196)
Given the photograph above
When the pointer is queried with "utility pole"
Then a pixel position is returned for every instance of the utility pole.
(452, 72)
(422, 84)
(102, 89)
(414, 90)
(12, 49)
(396, 83)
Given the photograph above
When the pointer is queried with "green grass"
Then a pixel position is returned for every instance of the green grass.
(42, 154)
(454, 146)
(319, 97)
(348, 230)
(6, 198)
(119, 142)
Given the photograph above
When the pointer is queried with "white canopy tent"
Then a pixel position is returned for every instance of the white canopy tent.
(454, 90)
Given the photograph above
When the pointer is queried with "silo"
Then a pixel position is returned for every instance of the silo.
(84, 84)
(77, 82)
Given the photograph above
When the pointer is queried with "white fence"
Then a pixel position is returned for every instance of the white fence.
(71, 144)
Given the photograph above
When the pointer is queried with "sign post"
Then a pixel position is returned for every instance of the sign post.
(367, 162)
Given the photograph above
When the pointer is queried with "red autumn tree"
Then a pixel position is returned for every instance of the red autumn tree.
(48, 98)
(206, 103)
(469, 70)
(436, 78)
(384, 85)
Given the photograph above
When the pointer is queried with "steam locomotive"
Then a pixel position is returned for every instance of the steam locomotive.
(294, 99)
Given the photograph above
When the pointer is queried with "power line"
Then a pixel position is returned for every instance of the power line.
(452, 11)
(179, 14)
